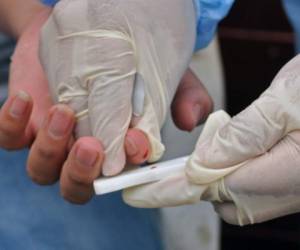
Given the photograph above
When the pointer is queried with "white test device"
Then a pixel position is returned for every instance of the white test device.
(139, 176)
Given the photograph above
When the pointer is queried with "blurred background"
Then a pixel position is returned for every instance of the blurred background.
(6, 49)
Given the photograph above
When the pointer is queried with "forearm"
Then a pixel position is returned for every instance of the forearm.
(16, 14)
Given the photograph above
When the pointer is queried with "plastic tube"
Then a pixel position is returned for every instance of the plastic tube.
(138, 176)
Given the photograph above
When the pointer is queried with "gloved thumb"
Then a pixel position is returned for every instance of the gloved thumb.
(253, 131)
(249, 134)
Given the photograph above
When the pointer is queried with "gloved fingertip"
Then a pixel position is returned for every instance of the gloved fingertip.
(111, 170)
(229, 213)
(138, 197)
(126, 196)
(113, 165)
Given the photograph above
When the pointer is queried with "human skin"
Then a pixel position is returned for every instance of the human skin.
(29, 118)
(15, 15)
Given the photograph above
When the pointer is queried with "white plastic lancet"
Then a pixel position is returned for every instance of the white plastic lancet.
(139, 176)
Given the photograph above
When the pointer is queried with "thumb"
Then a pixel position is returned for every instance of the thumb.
(196, 171)
(251, 133)
(256, 129)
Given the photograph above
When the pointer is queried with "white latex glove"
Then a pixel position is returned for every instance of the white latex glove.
(178, 189)
(262, 146)
(95, 51)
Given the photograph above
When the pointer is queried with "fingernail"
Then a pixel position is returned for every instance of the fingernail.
(86, 156)
(197, 113)
(60, 122)
(20, 104)
(131, 148)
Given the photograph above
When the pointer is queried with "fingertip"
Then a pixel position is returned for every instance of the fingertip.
(17, 107)
(90, 142)
(76, 194)
(192, 103)
(113, 165)
(191, 109)
(15, 129)
(137, 147)
(183, 116)
(66, 110)
(228, 212)
(88, 151)
(81, 169)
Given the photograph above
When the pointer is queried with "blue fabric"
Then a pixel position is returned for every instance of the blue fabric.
(209, 14)
(35, 218)
(292, 8)
(50, 2)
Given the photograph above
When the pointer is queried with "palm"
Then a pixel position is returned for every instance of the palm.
(27, 74)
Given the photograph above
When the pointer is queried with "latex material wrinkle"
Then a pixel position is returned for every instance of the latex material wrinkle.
(111, 66)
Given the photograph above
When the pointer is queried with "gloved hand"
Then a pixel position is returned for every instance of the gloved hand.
(178, 188)
(261, 145)
(95, 51)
